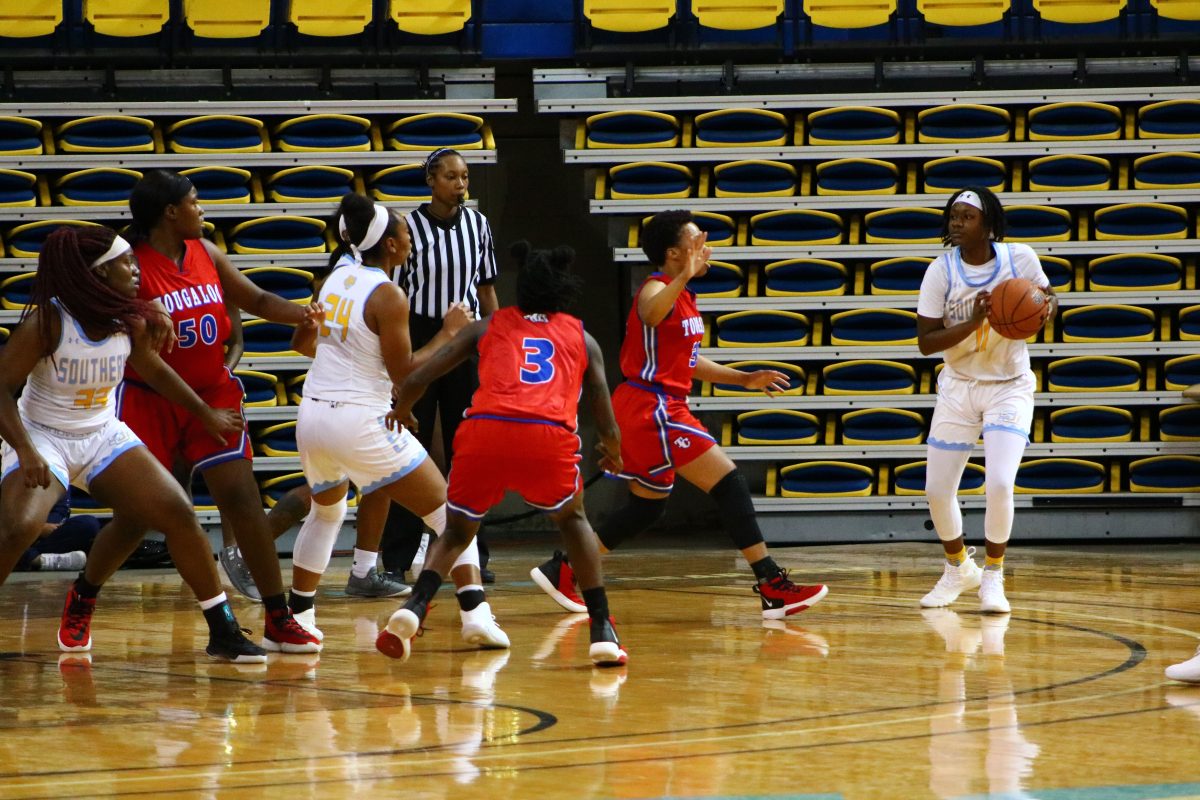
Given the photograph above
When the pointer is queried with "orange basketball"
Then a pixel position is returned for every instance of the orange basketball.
(1019, 309)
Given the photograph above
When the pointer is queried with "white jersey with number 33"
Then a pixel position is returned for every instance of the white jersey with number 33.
(948, 293)
(348, 367)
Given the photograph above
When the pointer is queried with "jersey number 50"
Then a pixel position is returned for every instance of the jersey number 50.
(538, 366)
(203, 329)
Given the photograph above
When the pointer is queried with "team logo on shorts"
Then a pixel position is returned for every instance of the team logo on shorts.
(683, 442)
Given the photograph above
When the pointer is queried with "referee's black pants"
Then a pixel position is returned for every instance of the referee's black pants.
(451, 395)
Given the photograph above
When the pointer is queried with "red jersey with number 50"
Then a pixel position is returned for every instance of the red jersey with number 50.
(531, 368)
(663, 357)
(193, 297)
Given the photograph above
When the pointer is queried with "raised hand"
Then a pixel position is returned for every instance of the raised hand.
(770, 381)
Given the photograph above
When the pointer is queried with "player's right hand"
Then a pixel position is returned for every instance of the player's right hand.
(458, 316)
(222, 423)
(396, 420)
(314, 315)
(610, 455)
(983, 305)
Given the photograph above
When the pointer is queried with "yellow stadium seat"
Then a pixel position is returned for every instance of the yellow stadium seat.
(1075, 119)
(1073, 11)
(430, 17)
(777, 427)
(849, 13)
(962, 12)
(127, 17)
(1168, 119)
(18, 188)
(737, 15)
(964, 122)
(106, 133)
(98, 186)
(25, 241)
(1188, 10)
(22, 19)
(20, 136)
(826, 479)
(16, 291)
(217, 133)
(331, 17)
(763, 328)
(854, 125)
(221, 19)
(628, 16)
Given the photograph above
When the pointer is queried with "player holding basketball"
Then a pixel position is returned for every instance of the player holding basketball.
(986, 386)
(659, 435)
(520, 434)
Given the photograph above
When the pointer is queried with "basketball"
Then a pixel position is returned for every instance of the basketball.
(1018, 309)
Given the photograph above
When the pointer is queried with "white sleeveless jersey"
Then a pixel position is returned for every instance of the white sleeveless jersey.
(948, 293)
(73, 390)
(348, 367)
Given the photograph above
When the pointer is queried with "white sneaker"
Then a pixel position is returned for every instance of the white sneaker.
(991, 593)
(62, 562)
(479, 628)
(954, 581)
(308, 621)
(1187, 671)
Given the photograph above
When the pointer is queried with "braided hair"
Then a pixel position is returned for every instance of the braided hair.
(545, 283)
(65, 273)
(993, 213)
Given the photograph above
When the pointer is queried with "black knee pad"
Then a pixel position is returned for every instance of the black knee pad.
(736, 507)
(634, 517)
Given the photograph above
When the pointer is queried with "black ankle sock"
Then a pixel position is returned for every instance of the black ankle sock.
(427, 585)
(275, 604)
(219, 618)
(86, 590)
(298, 603)
(597, 602)
(765, 569)
(470, 599)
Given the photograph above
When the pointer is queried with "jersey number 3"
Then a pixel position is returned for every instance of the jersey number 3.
(538, 366)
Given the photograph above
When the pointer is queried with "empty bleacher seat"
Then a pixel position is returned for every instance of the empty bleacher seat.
(1165, 474)
(857, 176)
(1108, 323)
(721, 229)
(796, 277)
(265, 339)
(17, 188)
(777, 427)
(962, 13)
(127, 18)
(262, 389)
(869, 376)
(741, 127)
(854, 125)
(277, 441)
(649, 180)
(310, 184)
(754, 178)
(1071, 11)
(1059, 272)
(910, 478)
(217, 133)
(323, 133)
(1061, 476)
(903, 226)
(632, 129)
(1187, 10)
(720, 280)
(98, 186)
(737, 15)
(628, 16)
(1124, 272)
(826, 479)
(1167, 171)
(795, 227)
(1179, 423)
(16, 291)
(1037, 223)
(1093, 374)
(902, 275)
(873, 327)
(964, 122)
(295, 388)
(438, 129)
(762, 329)
(287, 282)
(220, 184)
(275, 487)
(1168, 119)
(1075, 119)
(25, 241)
(1189, 323)
(849, 13)
(20, 136)
(430, 17)
(1181, 372)
(1091, 424)
(334, 17)
(22, 19)
(281, 234)
(867, 426)
(221, 19)
(402, 182)
(795, 380)
(1070, 173)
(106, 133)
(948, 175)
(1141, 221)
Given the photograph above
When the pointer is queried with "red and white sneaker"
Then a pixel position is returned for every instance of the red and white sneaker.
(395, 640)
(75, 629)
(557, 579)
(606, 650)
(782, 598)
(283, 634)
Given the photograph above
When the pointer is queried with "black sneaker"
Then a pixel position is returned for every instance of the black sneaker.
(487, 575)
(231, 644)
(557, 579)
(606, 650)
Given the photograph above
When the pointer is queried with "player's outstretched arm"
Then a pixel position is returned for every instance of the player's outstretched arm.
(248, 297)
(769, 381)
(449, 356)
(602, 411)
(304, 338)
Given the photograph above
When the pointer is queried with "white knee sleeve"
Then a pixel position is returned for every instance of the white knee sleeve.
(436, 519)
(314, 543)
(943, 471)
(469, 556)
(1002, 451)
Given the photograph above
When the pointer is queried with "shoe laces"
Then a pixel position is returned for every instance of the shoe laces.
(781, 582)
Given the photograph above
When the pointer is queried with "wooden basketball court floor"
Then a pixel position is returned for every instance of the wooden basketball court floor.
(865, 696)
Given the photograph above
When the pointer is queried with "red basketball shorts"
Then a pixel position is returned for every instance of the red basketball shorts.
(659, 434)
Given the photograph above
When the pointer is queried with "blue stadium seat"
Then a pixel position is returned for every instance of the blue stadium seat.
(948, 175)
(16, 291)
(25, 241)
(17, 188)
(1189, 323)
(826, 479)
(1094, 374)
(721, 229)
(632, 129)
(1070, 173)
(796, 379)
(1124, 272)
(753, 178)
(289, 283)
(1141, 221)
(964, 122)
(277, 441)
(854, 125)
(1076, 119)
(310, 184)
(1038, 223)
(797, 277)
(1165, 474)
(762, 329)
(220, 184)
(280, 234)
(1091, 424)
(1061, 476)
(1167, 171)
(1179, 423)
(910, 478)
(868, 426)
(778, 427)
(1108, 323)
(649, 180)
(1059, 271)
(857, 176)
(1169, 119)
(217, 133)
(1181, 372)
(869, 376)
(402, 182)
(796, 227)
(20, 136)
(331, 133)
(903, 226)
(98, 186)
(438, 129)
(106, 133)
(721, 280)
(901, 275)
(873, 327)
(263, 390)
(741, 127)
(265, 339)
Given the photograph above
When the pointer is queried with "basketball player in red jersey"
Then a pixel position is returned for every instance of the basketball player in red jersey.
(192, 279)
(520, 434)
(659, 434)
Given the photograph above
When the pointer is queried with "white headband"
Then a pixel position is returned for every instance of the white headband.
(971, 199)
(118, 247)
(374, 232)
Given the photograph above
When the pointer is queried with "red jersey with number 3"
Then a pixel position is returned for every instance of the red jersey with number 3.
(193, 297)
(664, 357)
(531, 368)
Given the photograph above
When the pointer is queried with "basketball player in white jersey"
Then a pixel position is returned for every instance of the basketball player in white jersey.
(985, 387)
(84, 323)
(357, 333)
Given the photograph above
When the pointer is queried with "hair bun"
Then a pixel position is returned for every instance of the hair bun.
(561, 257)
(520, 250)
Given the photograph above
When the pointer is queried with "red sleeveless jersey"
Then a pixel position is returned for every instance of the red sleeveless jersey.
(193, 297)
(531, 368)
(663, 357)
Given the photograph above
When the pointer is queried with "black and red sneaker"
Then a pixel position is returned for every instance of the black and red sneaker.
(606, 650)
(282, 634)
(782, 598)
(557, 579)
(75, 629)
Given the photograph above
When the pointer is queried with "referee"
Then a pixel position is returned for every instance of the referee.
(453, 260)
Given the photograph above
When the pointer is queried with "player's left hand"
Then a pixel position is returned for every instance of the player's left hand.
(222, 423)
(314, 315)
(396, 420)
(770, 381)
(610, 456)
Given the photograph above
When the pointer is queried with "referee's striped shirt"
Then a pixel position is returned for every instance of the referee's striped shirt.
(449, 260)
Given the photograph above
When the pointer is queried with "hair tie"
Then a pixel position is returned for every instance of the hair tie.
(118, 247)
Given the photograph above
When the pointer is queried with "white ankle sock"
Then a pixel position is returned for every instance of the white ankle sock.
(364, 562)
